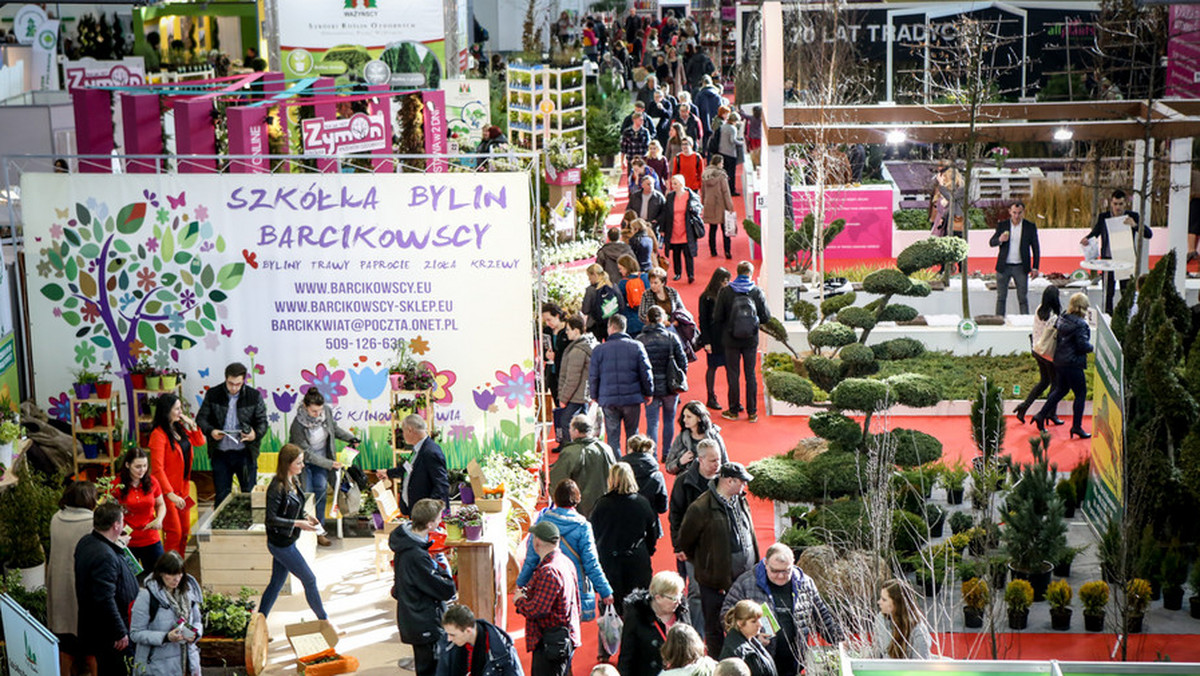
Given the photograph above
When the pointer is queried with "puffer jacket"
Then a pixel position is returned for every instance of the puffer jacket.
(642, 635)
(421, 589)
(573, 530)
(501, 659)
(651, 483)
(663, 348)
(155, 655)
(809, 610)
(620, 373)
(1072, 348)
(573, 370)
(714, 194)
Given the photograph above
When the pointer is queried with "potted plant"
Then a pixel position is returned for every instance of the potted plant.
(1065, 491)
(1062, 567)
(1058, 595)
(226, 621)
(454, 530)
(799, 515)
(472, 522)
(1174, 574)
(961, 522)
(935, 516)
(1094, 598)
(1137, 599)
(1194, 583)
(10, 431)
(85, 384)
(170, 378)
(154, 380)
(138, 373)
(91, 445)
(20, 535)
(1018, 595)
(103, 385)
(1034, 533)
(87, 415)
(975, 599)
(954, 477)
(406, 373)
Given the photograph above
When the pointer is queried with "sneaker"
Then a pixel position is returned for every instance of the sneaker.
(729, 415)
(407, 663)
(753, 417)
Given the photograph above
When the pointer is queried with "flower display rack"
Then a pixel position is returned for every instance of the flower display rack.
(107, 451)
(544, 101)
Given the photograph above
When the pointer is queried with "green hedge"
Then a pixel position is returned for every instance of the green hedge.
(856, 317)
(898, 312)
(927, 253)
(779, 478)
(898, 348)
(823, 371)
(835, 428)
(859, 394)
(789, 387)
(915, 448)
(834, 474)
(887, 280)
(832, 304)
(915, 390)
(831, 334)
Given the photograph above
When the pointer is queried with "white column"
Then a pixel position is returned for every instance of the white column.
(771, 277)
(1178, 206)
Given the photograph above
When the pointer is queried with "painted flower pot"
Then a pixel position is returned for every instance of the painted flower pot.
(138, 380)
(91, 451)
(473, 533)
(86, 423)
(104, 389)
(395, 380)
(153, 383)
(169, 382)
(466, 494)
(83, 390)
(454, 531)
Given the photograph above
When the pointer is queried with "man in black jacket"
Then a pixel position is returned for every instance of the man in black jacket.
(475, 647)
(1116, 209)
(1018, 261)
(234, 421)
(689, 485)
(647, 202)
(105, 588)
(422, 587)
(741, 308)
(424, 473)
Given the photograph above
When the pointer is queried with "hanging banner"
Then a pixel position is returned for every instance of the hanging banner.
(468, 111)
(88, 72)
(1105, 494)
(31, 650)
(311, 281)
(338, 38)
(44, 46)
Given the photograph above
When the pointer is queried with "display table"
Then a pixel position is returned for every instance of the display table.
(1105, 265)
(483, 570)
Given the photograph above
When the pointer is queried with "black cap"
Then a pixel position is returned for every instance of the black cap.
(735, 470)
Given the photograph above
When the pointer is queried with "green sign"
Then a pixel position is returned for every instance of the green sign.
(1105, 497)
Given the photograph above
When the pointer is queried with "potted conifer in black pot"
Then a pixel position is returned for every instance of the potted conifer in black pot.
(1034, 533)
(1058, 595)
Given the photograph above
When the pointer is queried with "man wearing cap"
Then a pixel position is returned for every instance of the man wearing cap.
(691, 483)
(717, 537)
(550, 604)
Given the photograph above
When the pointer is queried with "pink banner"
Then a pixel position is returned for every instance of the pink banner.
(382, 104)
(1183, 52)
(93, 128)
(195, 134)
(142, 124)
(248, 136)
(868, 214)
(435, 129)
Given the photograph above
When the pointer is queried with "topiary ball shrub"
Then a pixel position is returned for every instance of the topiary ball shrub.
(908, 532)
(806, 312)
(831, 334)
(898, 312)
(834, 474)
(929, 252)
(825, 373)
(779, 478)
(919, 289)
(885, 281)
(857, 317)
(859, 394)
(857, 354)
(789, 387)
(841, 523)
(915, 390)
(835, 428)
(915, 448)
(898, 348)
(833, 304)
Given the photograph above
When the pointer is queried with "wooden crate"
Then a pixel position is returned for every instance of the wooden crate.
(230, 560)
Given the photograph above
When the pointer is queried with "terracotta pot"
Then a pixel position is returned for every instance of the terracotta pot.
(87, 423)
(138, 380)
(104, 389)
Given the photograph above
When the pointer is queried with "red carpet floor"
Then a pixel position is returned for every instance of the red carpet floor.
(773, 435)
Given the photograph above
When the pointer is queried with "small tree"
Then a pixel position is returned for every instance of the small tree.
(1034, 533)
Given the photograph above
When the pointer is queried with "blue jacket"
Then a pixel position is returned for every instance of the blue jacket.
(1072, 348)
(501, 660)
(662, 347)
(620, 373)
(574, 530)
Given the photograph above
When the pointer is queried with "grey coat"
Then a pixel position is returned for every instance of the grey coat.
(155, 655)
(319, 457)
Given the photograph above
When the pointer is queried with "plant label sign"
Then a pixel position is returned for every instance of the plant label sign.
(355, 134)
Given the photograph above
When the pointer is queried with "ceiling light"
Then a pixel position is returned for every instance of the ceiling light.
(896, 137)
(1063, 135)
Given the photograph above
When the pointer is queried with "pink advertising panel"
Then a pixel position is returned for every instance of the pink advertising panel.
(1183, 52)
(93, 132)
(142, 124)
(248, 136)
(435, 128)
(868, 214)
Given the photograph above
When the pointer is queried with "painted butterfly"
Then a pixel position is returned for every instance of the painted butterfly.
(177, 202)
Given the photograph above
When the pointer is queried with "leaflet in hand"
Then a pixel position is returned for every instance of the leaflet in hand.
(770, 625)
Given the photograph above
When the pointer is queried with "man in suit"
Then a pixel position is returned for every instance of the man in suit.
(1116, 209)
(424, 473)
(647, 202)
(1019, 256)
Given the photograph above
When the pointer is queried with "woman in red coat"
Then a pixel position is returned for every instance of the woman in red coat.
(171, 443)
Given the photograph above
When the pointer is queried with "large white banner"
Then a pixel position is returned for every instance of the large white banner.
(308, 280)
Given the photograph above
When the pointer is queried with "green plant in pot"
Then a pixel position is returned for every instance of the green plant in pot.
(1093, 596)
(1058, 595)
(1062, 566)
(1034, 533)
(935, 516)
(472, 521)
(1137, 602)
(26, 509)
(975, 600)
(953, 478)
(799, 515)
(961, 522)
(1018, 596)
(1174, 574)
(1065, 491)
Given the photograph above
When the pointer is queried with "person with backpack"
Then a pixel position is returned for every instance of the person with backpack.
(608, 255)
(644, 243)
(689, 165)
(710, 335)
(630, 288)
(600, 300)
(669, 366)
(741, 309)
(620, 380)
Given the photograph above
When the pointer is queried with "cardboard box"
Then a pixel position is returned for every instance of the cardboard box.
(494, 505)
(314, 643)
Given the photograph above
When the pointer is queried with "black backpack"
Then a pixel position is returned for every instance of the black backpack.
(743, 317)
(607, 304)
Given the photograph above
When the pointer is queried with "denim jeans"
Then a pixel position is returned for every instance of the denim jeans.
(737, 361)
(228, 464)
(630, 414)
(666, 404)
(562, 420)
(316, 481)
(289, 560)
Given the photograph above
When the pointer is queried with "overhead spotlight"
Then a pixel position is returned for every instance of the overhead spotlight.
(896, 137)
(1063, 135)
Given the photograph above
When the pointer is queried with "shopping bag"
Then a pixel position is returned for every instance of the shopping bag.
(731, 224)
(610, 626)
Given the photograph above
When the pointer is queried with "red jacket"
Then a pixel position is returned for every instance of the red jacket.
(167, 462)
(691, 167)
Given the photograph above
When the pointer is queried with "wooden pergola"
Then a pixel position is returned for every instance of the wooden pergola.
(1171, 121)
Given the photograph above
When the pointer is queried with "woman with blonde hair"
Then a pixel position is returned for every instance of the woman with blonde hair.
(900, 630)
(1070, 358)
(627, 532)
(655, 159)
(650, 615)
(651, 483)
(599, 301)
(683, 653)
(743, 624)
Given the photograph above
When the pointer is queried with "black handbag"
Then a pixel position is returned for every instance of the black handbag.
(556, 643)
(676, 378)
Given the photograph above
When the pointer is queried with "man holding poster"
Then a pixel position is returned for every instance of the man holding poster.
(1114, 220)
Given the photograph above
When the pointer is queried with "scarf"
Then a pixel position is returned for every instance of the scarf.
(741, 284)
(309, 421)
